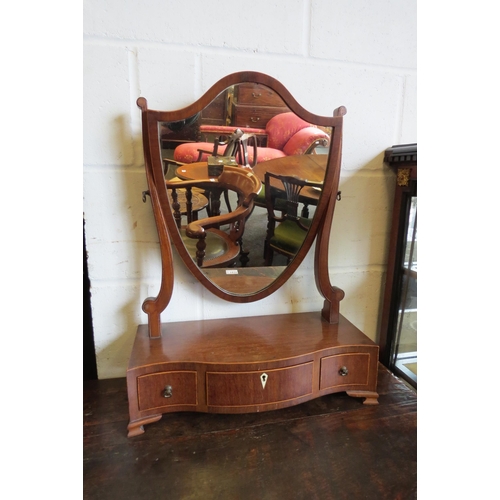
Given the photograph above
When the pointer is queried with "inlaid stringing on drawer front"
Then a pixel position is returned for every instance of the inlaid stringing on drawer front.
(344, 369)
(171, 388)
(259, 387)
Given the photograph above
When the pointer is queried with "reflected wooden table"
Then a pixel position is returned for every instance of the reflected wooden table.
(198, 200)
(308, 167)
(199, 171)
(244, 280)
(193, 171)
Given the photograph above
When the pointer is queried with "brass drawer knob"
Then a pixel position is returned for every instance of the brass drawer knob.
(167, 392)
(343, 371)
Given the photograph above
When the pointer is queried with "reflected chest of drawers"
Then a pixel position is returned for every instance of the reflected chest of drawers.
(254, 105)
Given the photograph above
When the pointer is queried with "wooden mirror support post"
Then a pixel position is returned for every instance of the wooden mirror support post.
(264, 362)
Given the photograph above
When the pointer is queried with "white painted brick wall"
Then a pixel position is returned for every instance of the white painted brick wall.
(356, 53)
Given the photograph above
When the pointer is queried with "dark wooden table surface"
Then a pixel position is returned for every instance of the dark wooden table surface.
(310, 167)
(330, 448)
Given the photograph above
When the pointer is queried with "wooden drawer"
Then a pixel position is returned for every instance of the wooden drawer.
(151, 388)
(254, 116)
(357, 365)
(258, 95)
(248, 389)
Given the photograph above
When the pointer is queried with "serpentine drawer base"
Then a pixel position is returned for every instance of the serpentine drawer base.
(239, 365)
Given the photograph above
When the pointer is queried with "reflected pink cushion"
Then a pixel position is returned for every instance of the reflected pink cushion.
(188, 152)
(281, 127)
(298, 143)
(287, 135)
(264, 154)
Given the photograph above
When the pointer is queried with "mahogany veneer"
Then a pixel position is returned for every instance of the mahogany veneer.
(217, 366)
(250, 364)
(327, 448)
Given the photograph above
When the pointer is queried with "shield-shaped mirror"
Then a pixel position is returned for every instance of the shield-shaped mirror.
(241, 181)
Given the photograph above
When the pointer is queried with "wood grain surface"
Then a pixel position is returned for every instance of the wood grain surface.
(333, 447)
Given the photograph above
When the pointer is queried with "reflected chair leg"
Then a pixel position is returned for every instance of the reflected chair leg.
(214, 202)
(226, 198)
(209, 205)
(268, 255)
(243, 254)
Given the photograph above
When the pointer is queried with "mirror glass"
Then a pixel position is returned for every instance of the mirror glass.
(282, 143)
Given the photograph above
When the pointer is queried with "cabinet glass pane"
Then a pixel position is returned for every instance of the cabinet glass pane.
(405, 355)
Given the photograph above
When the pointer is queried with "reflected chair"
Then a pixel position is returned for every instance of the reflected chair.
(205, 240)
(287, 135)
(236, 146)
(286, 230)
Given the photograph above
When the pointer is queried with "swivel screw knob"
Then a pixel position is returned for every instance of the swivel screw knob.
(343, 371)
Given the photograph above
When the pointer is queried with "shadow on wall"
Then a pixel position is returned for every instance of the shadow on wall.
(143, 273)
(139, 242)
(89, 357)
(359, 246)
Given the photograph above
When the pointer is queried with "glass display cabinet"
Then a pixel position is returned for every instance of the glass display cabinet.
(398, 336)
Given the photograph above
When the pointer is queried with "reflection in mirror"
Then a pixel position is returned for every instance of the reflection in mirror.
(271, 139)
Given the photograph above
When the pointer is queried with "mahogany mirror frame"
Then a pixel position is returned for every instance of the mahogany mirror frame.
(167, 228)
